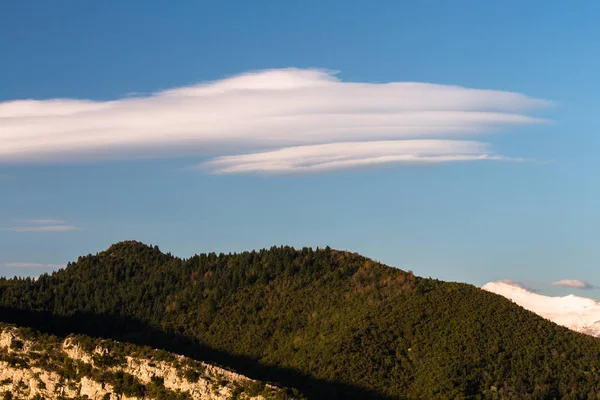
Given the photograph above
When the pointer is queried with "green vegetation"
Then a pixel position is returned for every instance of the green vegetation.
(47, 352)
(330, 323)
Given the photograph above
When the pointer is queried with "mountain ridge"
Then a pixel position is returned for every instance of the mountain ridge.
(332, 324)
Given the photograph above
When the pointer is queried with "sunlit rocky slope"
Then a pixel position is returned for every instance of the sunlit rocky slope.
(34, 366)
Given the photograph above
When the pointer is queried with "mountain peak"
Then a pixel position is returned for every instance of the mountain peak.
(130, 246)
(134, 244)
(136, 252)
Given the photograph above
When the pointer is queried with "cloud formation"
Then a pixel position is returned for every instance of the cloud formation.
(45, 221)
(33, 265)
(44, 228)
(574, 284)
(272, 118)
(43, 225)
(351, 154)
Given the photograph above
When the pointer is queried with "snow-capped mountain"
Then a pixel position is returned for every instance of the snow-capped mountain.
(577, 313)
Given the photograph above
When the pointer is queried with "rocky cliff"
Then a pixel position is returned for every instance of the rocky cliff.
(36, 366)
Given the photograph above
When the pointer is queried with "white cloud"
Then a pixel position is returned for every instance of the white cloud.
(351, 154)
(574, 284)
(33, 265)
(257, 112)
(43, 225)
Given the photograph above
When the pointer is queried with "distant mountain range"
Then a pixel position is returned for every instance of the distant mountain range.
(577, 313)
(330, 324)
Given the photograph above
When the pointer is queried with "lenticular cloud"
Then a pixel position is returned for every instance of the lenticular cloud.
(352, 154)
(275, 121)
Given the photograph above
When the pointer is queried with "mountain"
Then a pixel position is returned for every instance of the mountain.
(332, 324)
(40, 366)
(577, 313)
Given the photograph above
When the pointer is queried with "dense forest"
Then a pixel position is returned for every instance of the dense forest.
(332, 324)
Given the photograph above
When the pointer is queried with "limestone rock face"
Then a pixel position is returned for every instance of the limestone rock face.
(29, 369)
(27, 383)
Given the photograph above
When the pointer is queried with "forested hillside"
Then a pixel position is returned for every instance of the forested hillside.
(330, 323)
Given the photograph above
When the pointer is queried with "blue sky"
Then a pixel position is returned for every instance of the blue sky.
(530, 216)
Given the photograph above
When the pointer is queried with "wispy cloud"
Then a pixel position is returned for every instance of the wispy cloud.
(43, 225)
(574, 284)
(523, 285)
(33, 265)
(352, 154)
(533, 286)
(45, 221)
(43, 228)
(267, 121)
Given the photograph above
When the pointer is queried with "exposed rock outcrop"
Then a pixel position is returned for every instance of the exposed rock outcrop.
(48, 368)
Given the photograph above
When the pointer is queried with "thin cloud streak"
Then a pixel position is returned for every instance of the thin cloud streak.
(574, 284)
(33, 265)
(567, 283)
(44, 228)
(45, 221)
(256, 112)
(43, 225)
(335, 156)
